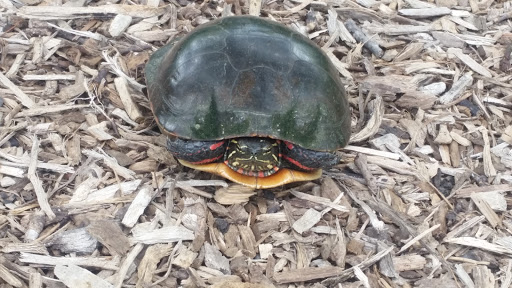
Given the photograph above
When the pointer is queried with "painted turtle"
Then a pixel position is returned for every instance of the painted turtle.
(251, 100)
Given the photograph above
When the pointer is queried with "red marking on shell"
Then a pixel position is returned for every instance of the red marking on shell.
(216, 145)
(296, 163)
(204, 161)
(289, 145)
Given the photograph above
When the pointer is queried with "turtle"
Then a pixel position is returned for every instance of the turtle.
(251, 100)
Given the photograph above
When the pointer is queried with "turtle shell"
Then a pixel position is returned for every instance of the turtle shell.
(242, 76)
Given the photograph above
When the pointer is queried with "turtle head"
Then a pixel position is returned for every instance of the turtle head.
(253, 156)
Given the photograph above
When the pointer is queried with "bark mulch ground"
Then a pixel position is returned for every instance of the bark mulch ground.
(89, 196)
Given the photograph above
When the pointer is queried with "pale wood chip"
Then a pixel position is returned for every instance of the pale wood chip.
(248, 239)
(425, 12)
(481, 244)
(395, 30)
(294, 9)
(7, 181)
(254, 7)
(24, 161)
(138, 205)
(460, 139)
(409, 262)
(129, 105)
(376, 108)
(20, 95)
(443, 137)
(107, 263)
(12, 171)
(119, 24)
(99, 131)
(417, 4)
(35, 280)
(396, 166)
(73, 241)
(109, 233)
(75, 276)
(7, 5)
(444, 151)
(306, 274)
(483, 277)
(49, 77)
(417, 238)
(126, 264)
(155, 35)
(347, 273)
(111, 163)
(234, 194)
(42, 197)
(147, 269)
(68, 12)
(475, 66)
(321, 200)
(463, 23)
(41, 110)
(340, 66)
(464, 276)
(106, 193)
(10, 278)
(306, 221)
(486, 210)
(457, 88)
(214, 259)
(489, 169)
(374, 152)
(508, 275)
(185, 258)
(162, 235)
(464, 227)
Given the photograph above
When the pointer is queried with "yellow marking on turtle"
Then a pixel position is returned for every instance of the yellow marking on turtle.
(231, 154)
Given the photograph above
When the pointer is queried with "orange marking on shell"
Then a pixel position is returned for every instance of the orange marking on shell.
(281, 177)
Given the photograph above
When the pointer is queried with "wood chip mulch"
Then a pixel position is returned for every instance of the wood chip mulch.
(89, 197)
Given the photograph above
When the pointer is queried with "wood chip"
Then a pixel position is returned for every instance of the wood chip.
(428, 87)
(163, 235)
(425, 12)
(69, 12)
(457, 89)
(74, 276)
(470, 62)
(486, 210)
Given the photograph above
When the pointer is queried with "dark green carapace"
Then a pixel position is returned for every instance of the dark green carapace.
(245, 76)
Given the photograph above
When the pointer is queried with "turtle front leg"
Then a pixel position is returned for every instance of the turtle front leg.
(196, 152)
(302, 159)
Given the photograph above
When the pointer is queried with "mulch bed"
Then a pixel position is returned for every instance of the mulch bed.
(90, 197)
